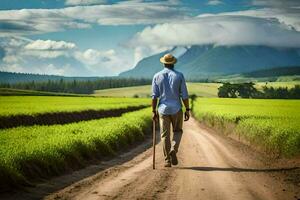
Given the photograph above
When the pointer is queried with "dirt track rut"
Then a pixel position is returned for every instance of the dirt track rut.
(210, 166)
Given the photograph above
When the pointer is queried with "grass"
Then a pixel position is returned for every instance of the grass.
(28, 153)
(204, 89)
(140, 91)
(18, 92)
(200, 89)
(289, 84)
(273, 125)
(238, 78)
(33, 105)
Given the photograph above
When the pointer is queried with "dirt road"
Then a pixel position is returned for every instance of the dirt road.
(210, 166)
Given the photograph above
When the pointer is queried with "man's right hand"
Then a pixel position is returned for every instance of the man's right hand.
(154, 115)
(186, 115)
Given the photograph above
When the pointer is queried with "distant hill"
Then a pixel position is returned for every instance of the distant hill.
(12, 77)
(277, 71)
(201, 62)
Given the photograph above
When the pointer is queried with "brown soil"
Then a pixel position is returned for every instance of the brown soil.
(211, 166)
(61, 117)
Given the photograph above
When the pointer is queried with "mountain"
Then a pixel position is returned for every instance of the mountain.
(201, 62)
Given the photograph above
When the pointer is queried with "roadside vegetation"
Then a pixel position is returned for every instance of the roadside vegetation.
(248, 90)
(30, 153)
(273, 125)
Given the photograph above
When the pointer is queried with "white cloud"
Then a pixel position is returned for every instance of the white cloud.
(290, 17)
(16, 42)
(214, 2)
(11, 59)
(220, 30)
(143, 50)
(59, 57)
(126, 13)
(49, 45)
(52, 69)
(12, 68)
(45, 54)
(93, 57)
(152, 2)
(217, 30)
(40, 69)
(33, 56)
(48, 48)
(174, 2)
(277, 3)
(100, 62)
(33, 21)
(12, 47)
(287, 11)
(84, 2)
(278, 26)
(18, 59)
(36, 21)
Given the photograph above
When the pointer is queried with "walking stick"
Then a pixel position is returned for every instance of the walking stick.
(154, 141)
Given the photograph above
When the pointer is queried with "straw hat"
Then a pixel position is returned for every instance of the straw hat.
(168, 59)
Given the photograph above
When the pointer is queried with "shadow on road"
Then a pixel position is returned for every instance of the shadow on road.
(236, 169)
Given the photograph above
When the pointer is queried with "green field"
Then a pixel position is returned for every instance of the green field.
(140, 91)
(288, 84)
(52, 150)
(18, 92)
(273, 125)
(31, 105)
(39, 151)
(238, 78)
(199, 89)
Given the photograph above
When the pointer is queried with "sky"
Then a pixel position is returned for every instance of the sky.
(106, 37)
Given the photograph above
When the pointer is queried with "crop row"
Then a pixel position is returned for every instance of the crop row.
(33, 105)
(33, 152)
(273, 125)
(62, 117)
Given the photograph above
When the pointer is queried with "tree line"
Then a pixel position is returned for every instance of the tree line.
(16, 77)
(75, 86)
(248, 90)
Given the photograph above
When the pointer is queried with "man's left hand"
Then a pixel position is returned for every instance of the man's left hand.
(154, 115)
(186, 115)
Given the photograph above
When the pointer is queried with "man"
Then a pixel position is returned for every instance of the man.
(169, 86)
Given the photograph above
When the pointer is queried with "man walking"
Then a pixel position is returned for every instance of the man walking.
(169, 86)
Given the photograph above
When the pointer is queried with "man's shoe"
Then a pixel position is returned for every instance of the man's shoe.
(173, 156)
(168, 164)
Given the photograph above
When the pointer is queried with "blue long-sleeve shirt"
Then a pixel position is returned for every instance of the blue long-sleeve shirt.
(169, 86)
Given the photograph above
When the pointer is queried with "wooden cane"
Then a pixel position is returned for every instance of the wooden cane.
(154, 141)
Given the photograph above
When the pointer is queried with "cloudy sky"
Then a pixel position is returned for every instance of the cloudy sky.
(106, 37)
